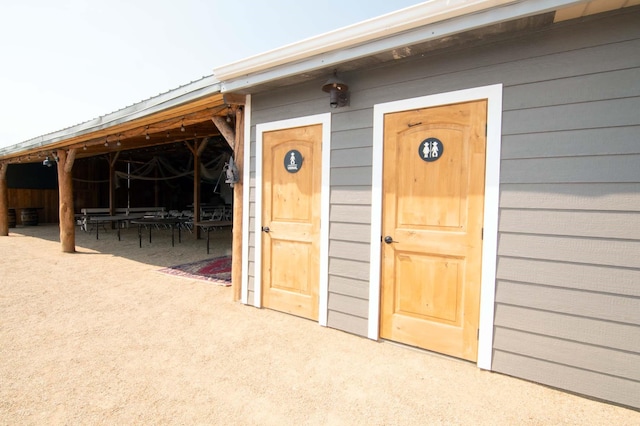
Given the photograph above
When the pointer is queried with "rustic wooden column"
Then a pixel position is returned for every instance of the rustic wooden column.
(236, 255)
(113, 157)
(4, 201)
(65, 189)
(235, 140)
(196, 185)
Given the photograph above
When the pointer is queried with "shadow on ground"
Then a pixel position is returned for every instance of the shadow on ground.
(158, 252)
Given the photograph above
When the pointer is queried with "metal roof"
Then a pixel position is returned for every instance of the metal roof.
(184, 94)
(393, 32)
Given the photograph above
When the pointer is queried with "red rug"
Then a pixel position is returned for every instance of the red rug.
(216, 270)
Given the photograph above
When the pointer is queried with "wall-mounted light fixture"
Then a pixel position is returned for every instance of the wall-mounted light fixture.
(47, 162)
(338, 91)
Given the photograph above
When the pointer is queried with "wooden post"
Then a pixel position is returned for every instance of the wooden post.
(196, 188)
(65, 188)
(4, 201)
(113, 157)
(236, 250)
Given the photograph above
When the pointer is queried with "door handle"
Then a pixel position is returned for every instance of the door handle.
(266, 229)
(389, 239)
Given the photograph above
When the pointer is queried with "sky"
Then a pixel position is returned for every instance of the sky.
(68, 61)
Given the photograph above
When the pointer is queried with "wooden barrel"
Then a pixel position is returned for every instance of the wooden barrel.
(12, 218)
(29, 217)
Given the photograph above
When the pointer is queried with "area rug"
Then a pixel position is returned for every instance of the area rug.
(217, 270)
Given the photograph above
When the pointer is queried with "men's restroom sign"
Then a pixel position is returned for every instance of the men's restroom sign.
(293, 161)
(431, 149)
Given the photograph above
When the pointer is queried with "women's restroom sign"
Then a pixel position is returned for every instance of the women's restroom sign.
(431, 149)
(293, 161)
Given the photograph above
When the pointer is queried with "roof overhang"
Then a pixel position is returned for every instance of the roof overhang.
(421, 23)
(181, 114)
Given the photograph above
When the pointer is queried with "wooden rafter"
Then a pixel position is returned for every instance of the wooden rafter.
(225, 130)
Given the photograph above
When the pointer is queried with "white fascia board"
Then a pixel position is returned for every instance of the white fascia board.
(234, 77)
(362, 32)
(181, 95)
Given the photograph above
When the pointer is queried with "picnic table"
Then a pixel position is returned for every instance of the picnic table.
(208, 225)
(157, 222)
(117, 219)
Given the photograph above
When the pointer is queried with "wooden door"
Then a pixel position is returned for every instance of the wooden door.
(433, 182)
(291, 220)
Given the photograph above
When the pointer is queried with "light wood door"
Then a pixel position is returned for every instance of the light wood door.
(433, 181)
(291, 220)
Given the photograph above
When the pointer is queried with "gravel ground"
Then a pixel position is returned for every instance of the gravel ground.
(100, 337)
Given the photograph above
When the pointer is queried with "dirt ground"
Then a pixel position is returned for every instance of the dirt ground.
(101, 337)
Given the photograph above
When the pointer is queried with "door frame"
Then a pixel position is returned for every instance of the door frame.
(323, 279)
(493, 95)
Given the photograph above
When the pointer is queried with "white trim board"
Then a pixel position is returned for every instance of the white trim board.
(493, 94)
(325, 121)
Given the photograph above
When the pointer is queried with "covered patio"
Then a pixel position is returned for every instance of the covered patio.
(171, 151)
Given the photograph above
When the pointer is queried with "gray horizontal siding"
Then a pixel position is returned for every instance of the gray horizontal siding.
(356, 138)
(607, 334)
(587, 115)
(349, 287)
(567, 297)
(623, 225)
(350, 213)
(354, 157)
(602, 168)
(602, 306)
(350, 232)
(351, 176)
(605, 279)
(349, 250)
(360, 195)
(574, 250)
(598, 385)
(592, 196)
(346, 322)
(349, 269)
(574, 89)
(584, 142)
(593, 358)
(354, 306)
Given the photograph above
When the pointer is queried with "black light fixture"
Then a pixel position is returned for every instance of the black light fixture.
(338, 91)
(47, 162)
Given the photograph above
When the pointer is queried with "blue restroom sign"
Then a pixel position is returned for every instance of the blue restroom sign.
(293, 161)
(431, 149)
